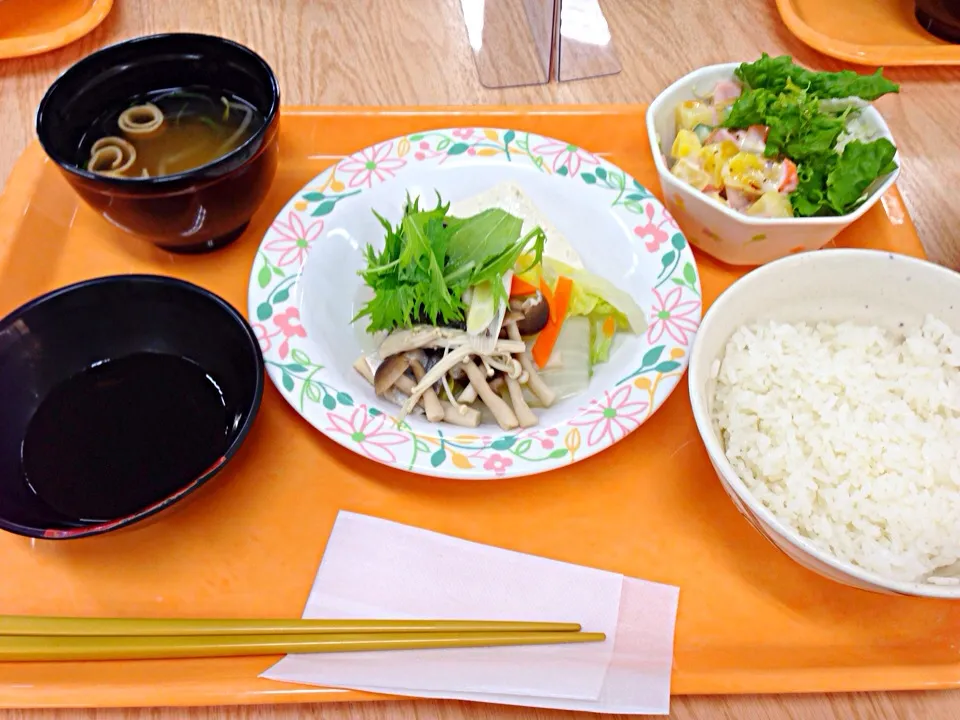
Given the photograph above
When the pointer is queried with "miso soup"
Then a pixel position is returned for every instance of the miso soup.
(168, 132)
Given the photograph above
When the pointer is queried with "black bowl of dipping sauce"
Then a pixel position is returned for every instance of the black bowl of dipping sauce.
(199, 209)
(121, 395)
(940, 18)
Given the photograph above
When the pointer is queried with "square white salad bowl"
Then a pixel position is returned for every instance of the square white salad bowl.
(727, 235)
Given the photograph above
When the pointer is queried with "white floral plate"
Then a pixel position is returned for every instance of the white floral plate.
(304, 290)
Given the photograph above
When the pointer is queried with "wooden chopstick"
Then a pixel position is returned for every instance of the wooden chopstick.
(159, 627)
(52, 648)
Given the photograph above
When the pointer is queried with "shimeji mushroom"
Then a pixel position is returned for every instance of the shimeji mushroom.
(534, 381)
(508, 365)
(520, 408)
(436, 372)
(388, 372)
(464, 417)
(501, 411)
(402, 341)
(431, 403)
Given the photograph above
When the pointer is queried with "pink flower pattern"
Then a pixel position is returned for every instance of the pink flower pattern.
(264, 336)
(613, 418)
(673, 317)
(653, 233)
(372, 163)
(564, 155)
(670, 221)
(546, 438)
(295, 239)
(289, 324)
(426, 152)
(368, 432)
(497, 463)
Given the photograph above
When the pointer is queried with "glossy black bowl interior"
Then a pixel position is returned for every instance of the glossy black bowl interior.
(940, 18)
(193, 211)
(58, 335)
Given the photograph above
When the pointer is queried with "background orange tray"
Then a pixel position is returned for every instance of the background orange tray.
(248, 544)
(867, 32)
(29, 27)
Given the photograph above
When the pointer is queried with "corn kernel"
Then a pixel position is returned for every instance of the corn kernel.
(685, 144)
(771, 205)
(691, 113)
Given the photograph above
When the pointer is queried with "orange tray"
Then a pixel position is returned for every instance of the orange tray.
(867, 32)
(29, 27)
(249, 543)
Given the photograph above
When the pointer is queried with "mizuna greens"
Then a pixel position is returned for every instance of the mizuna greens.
(430, 259)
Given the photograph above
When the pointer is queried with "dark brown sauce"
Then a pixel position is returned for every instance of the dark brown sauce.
(123, 434)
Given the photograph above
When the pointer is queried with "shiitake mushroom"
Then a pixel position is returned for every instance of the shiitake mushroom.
(535, 311)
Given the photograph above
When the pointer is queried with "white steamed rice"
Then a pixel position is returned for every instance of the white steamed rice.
(850, 434)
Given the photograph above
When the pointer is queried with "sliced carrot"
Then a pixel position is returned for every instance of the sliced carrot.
(789, 180)
(609, 326)
(519, 286)
(543, 346)
(548, 296)
(761, 130)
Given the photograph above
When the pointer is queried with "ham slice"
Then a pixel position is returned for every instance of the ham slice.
(721, 134)
(725, 91)
(737, 200)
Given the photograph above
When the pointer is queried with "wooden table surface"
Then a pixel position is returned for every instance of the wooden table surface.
(416, 52)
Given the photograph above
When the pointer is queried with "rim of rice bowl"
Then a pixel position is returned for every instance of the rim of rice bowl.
(699, 367)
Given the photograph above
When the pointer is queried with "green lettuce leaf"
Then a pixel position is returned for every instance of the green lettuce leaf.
(797, 127)
(581, 302)
(859, 165)
(810, 197)
(600, 342)
(787, 100)
(774, 74)
(750, 109)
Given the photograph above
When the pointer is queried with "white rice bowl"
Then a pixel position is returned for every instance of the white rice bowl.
(826, 387)
(850, 435)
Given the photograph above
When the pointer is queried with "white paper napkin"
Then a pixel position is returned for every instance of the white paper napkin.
(375, 568)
